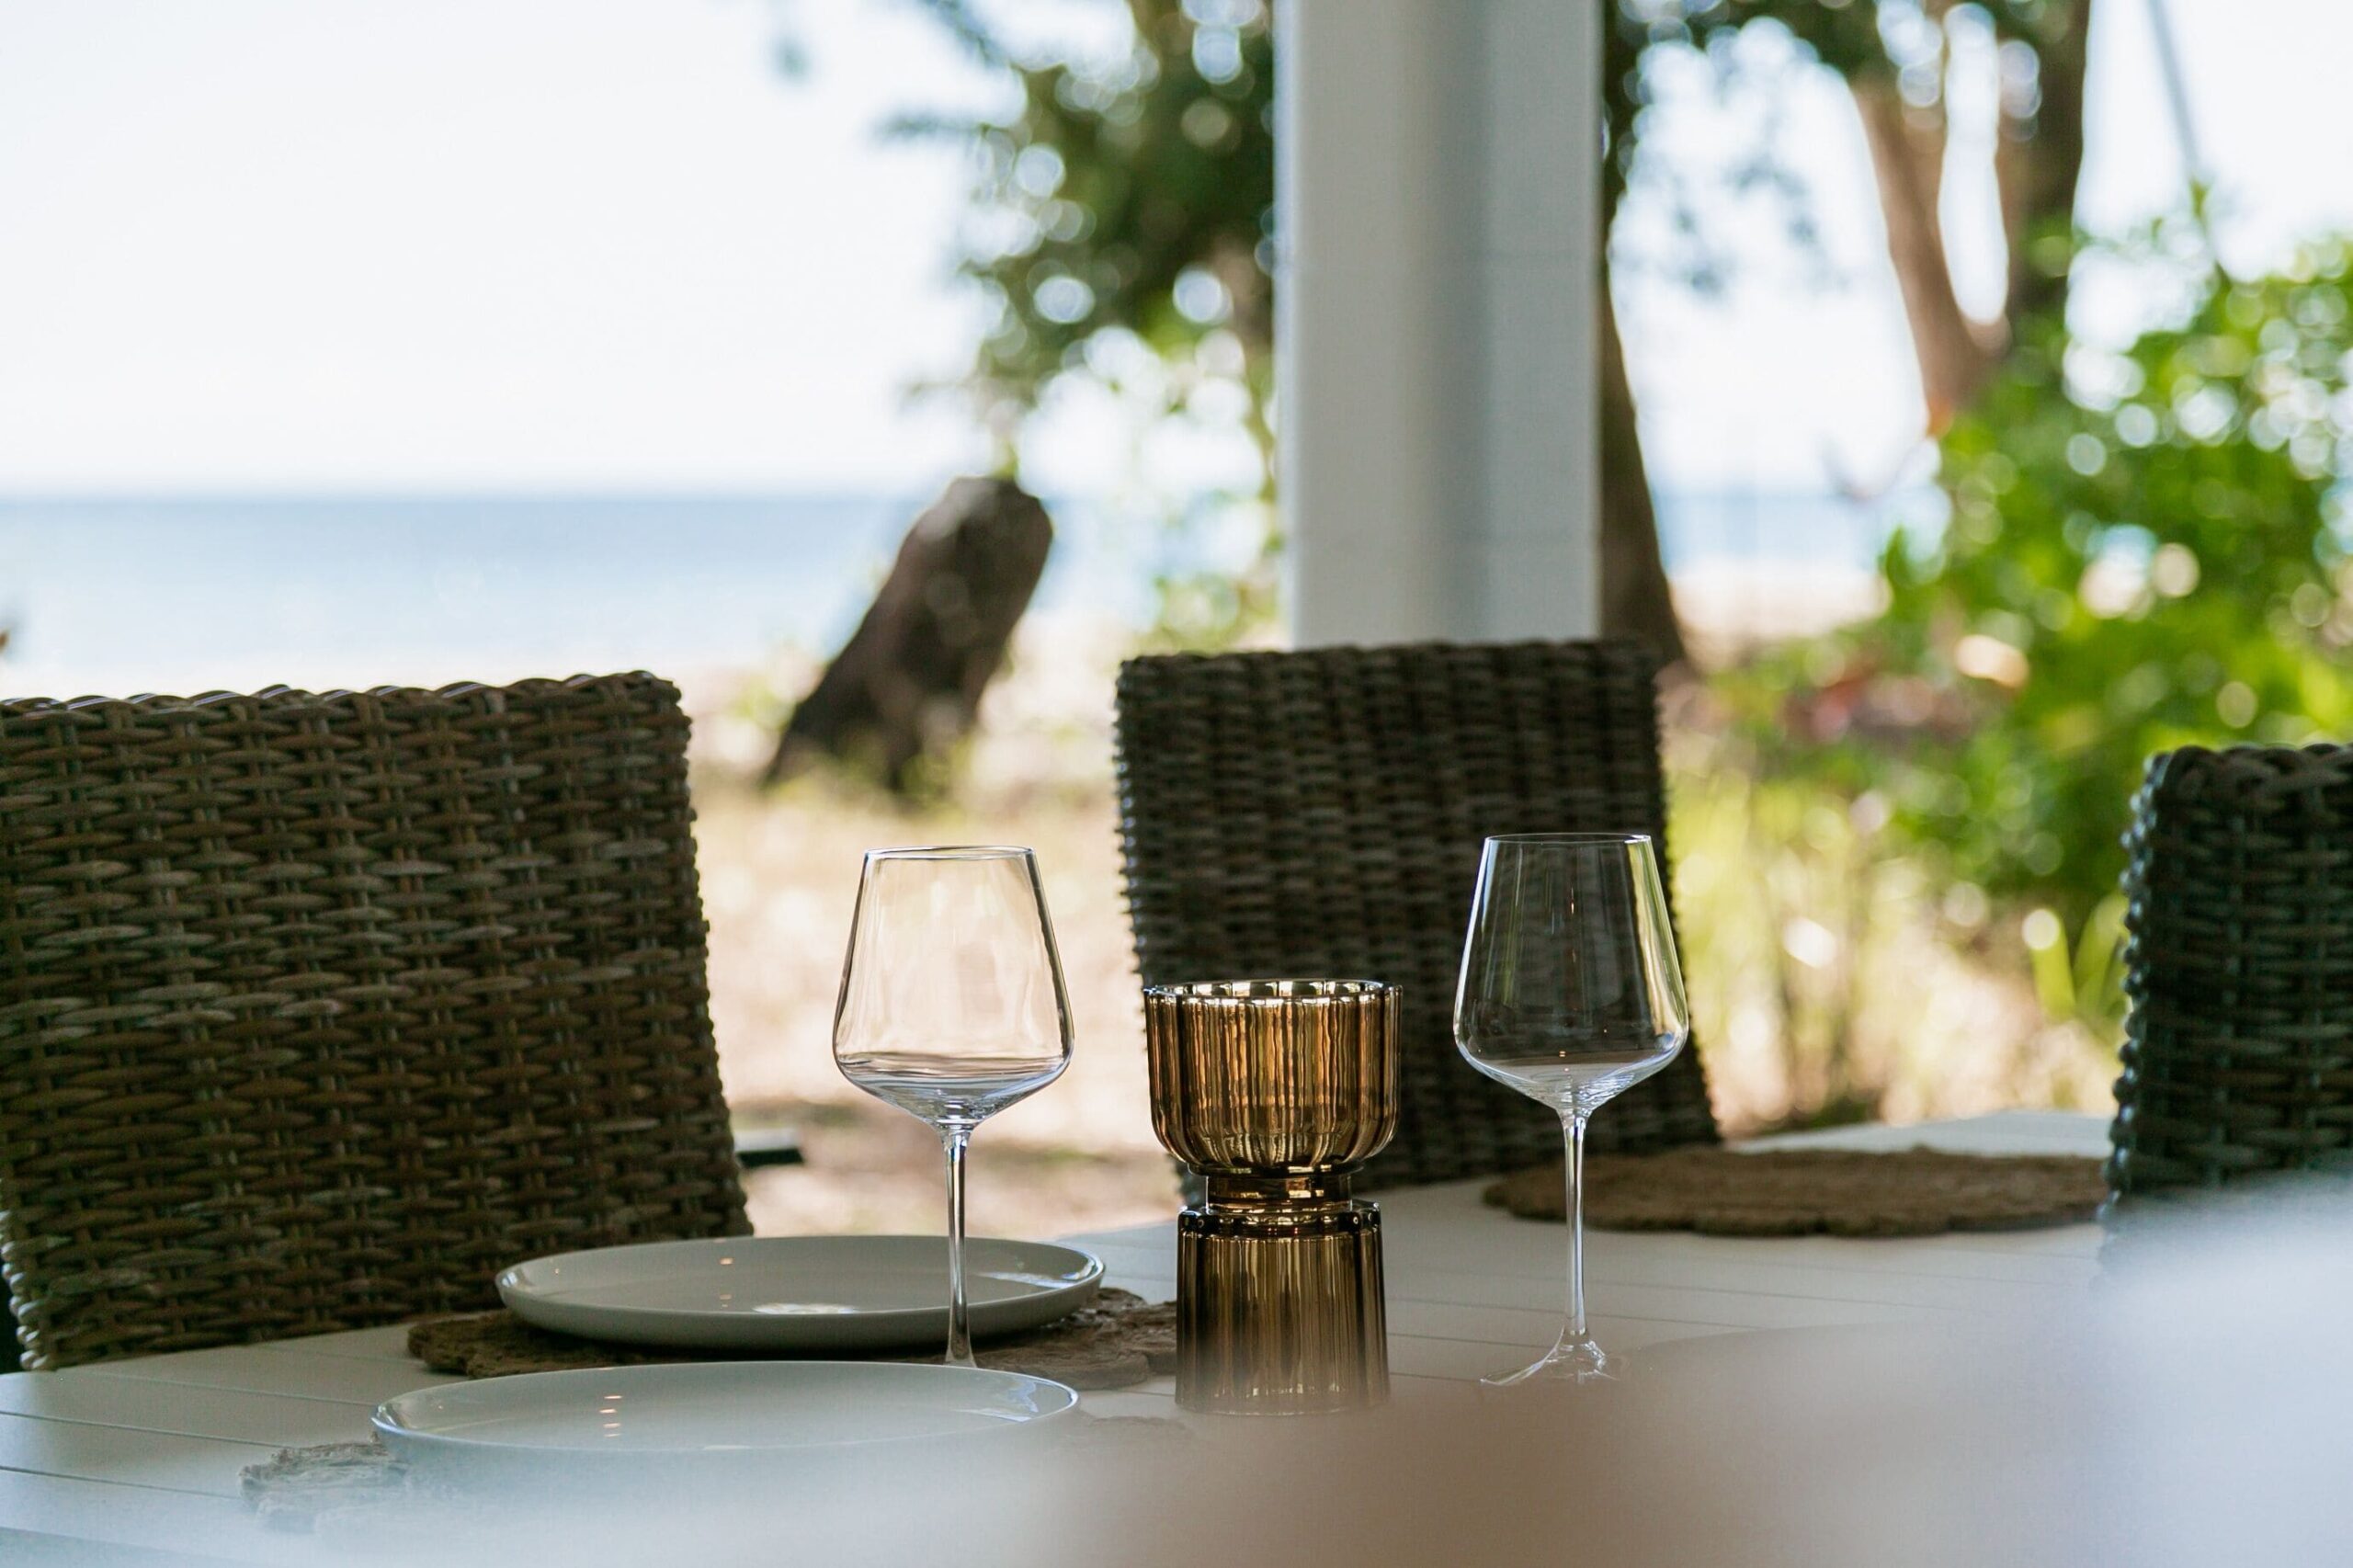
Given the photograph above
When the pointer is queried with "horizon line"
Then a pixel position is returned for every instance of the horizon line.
(213, 495)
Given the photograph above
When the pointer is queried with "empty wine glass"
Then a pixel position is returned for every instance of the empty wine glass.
(952, 1004)
(1571, 994)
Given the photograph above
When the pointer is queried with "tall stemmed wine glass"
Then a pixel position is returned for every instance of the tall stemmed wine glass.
(1571, 994)
(952, 1004)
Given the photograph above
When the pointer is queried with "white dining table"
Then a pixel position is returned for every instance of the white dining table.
(140, 1459)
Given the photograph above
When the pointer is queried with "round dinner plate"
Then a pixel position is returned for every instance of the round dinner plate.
(707, 1410)
(797, 1292)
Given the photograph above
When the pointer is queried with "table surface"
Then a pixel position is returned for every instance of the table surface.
(145, 1453)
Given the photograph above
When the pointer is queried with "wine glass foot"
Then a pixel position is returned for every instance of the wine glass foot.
(1570, 1361)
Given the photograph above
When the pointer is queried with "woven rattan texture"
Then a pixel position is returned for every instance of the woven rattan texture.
(315, 1010)
(1321, 813)
(2238, 1054)
(1116, 1340)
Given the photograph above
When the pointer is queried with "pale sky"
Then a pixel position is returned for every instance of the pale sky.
(302, 245)
(450, 244)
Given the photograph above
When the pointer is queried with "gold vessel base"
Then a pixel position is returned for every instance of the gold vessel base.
(1279, 1311)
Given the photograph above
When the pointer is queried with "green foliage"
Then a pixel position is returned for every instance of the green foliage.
(1123, 213)
(1132, 197)
(2144, 549)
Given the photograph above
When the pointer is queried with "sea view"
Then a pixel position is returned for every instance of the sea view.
(187, 595)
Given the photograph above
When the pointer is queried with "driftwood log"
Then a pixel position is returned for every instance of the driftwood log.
(908, 682)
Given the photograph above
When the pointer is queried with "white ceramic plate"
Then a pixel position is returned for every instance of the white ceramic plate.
(707, 1410)
(797, 1292)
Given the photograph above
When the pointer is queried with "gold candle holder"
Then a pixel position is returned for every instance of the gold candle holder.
(1273, 1091)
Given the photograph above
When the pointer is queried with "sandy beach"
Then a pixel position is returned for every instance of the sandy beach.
(779, 877)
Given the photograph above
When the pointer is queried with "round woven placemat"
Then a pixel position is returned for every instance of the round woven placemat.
(1118, 1340)
(1796, 1192)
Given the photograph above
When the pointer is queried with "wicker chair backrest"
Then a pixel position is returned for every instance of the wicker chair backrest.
(1321, 813)
(317, 1009)
(2238, 1055)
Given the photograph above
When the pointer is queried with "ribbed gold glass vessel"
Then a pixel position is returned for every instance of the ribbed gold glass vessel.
(1272, 1091)
(1289, 1321)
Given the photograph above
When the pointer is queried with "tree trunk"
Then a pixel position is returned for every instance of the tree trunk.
(1955, 354)
(2037, 175)
(1634, 597)
(908, 682)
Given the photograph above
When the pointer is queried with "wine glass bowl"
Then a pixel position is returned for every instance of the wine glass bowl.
(952, 1004)
(1570, 993)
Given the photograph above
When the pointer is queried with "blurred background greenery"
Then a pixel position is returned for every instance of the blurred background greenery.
(1994, 443)
(1899, 838)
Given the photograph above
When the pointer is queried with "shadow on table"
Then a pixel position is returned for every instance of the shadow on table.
(2188, 1414)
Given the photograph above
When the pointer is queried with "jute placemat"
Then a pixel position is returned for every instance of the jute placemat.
(1118, 1340)
(1796, 1192)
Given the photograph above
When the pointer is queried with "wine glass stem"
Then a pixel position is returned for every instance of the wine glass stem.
(952, 1139)
(1573, 1130)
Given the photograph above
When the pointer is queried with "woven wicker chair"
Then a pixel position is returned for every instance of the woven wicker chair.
(314, 1010)
(1321, 814)
(2238, 1055)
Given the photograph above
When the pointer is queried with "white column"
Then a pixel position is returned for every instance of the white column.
(1437, 189)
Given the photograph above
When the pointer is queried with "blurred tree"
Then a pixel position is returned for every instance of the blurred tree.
(907, 687)
(1810, 821)
(2145, 551)
(1132, 203)
(2146, 548)
(1901, 61)
(1141, 205)
(1134, 197)
(1124, 205)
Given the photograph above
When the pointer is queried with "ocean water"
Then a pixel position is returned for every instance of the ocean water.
(187, 595)
(121, 596)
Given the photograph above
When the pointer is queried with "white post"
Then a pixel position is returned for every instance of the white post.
(1437, 189)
